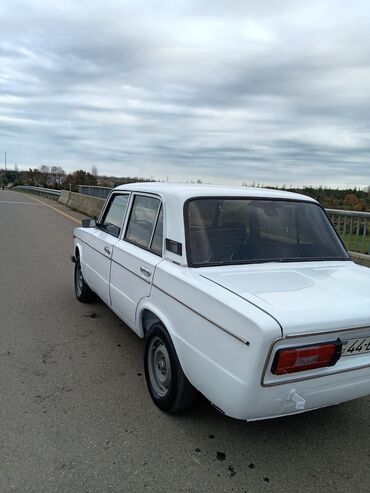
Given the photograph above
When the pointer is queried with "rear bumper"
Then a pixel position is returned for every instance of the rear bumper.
(298, 397)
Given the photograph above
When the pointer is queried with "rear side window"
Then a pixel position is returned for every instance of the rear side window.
(114, 214)
(157, 241)
(141, 229)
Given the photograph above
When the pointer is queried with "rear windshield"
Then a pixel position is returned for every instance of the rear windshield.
(235, 231)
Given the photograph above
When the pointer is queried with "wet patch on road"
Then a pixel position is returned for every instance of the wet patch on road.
(91, 315)
(220, 456)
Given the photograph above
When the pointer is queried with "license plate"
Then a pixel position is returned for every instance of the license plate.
(356, 346)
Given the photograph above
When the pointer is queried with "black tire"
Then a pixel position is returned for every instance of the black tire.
(168, 386)
(83, 293)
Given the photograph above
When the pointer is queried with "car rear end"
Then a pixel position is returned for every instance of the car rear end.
(313, 371)
(283, 256)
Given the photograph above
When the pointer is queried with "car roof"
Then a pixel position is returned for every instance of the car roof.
(185, 191)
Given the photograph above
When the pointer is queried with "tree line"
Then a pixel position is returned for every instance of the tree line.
(56, 177)
(354, 199)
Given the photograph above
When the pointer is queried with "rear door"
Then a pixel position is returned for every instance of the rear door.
(98, 251)
(136, 256)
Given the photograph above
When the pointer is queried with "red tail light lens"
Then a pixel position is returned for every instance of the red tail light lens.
(306, 358)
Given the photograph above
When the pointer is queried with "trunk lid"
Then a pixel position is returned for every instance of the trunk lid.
(302, 296)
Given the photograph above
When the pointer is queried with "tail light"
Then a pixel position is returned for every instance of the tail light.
(304, 358)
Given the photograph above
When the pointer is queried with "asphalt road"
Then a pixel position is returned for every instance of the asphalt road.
(75, 415)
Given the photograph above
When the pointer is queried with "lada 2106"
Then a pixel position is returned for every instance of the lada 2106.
(245, 295)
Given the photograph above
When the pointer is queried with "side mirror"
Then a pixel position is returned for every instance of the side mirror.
(88, 223)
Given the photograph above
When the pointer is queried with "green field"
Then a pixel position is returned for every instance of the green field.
(352, 246)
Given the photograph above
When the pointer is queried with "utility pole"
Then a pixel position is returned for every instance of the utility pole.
(5, 160)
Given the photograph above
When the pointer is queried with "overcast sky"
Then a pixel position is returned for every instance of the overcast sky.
(226, 91)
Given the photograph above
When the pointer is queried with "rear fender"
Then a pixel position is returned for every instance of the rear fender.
(145, 304)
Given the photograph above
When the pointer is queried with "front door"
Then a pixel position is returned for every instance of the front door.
(99, 250)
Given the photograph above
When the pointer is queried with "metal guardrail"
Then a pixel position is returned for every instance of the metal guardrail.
(46, 192)
(354, 229)
(94, 191)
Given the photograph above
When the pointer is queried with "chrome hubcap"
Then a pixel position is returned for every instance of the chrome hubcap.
(159, 367)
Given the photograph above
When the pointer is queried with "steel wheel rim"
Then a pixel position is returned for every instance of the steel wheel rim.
(159, 367)
(79, 279)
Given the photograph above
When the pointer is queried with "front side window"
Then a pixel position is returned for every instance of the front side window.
(143, 219)
(234, 231)
(114, 214)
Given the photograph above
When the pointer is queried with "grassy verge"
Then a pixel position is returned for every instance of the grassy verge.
(354, 246)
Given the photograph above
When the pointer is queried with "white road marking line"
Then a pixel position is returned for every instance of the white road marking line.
(14, 202)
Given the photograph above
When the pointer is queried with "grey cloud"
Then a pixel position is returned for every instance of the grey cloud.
(215, 90)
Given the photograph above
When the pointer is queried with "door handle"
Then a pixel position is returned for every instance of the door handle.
(145, 271)
(107, 250)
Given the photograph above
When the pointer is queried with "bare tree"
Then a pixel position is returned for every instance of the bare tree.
(94, 171)
(44, 174)
(57, 173)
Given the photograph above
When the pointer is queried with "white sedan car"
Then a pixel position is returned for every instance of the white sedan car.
(245, 295)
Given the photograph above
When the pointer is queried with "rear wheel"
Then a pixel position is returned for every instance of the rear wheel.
(82, 290)
(168, 386)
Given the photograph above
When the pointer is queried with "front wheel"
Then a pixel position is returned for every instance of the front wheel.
(168, 386)
(82, 290)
